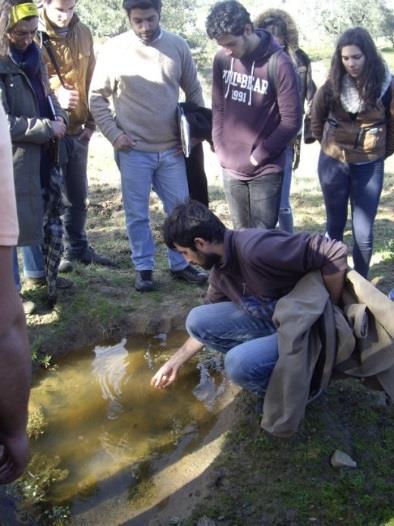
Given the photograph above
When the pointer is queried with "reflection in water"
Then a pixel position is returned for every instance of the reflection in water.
(104, 418)
(207, 391)
(110, 367)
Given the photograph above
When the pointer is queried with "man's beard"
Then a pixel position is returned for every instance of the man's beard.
(150, 36)
(209, 260)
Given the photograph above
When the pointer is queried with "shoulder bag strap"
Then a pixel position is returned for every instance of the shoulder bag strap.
(46, 42)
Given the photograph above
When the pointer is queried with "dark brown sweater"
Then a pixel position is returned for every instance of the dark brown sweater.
(268, 263)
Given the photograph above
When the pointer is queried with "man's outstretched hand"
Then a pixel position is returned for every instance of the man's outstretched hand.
(167, 373)
(165, 376)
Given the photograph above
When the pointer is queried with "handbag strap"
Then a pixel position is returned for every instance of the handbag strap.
(46, 42)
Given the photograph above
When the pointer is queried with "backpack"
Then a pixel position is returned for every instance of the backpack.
(273, 70)
(272, 73)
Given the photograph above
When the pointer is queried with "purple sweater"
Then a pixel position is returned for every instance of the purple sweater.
(268, 263)
(248, 116)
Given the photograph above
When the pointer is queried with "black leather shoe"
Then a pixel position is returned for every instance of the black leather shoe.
(86, 258)
(143, 281)
(90, 256)
(191, 275)
(63, 283)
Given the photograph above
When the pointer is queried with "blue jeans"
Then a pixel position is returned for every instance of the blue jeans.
(254, 203)
(15, 270)
(165, 173)
(33, 264)
(362, 184)
(76, 194)
(285, 214)
(249, 344)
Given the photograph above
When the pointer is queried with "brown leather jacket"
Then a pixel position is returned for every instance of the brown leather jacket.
(75, 58)
(368, 137)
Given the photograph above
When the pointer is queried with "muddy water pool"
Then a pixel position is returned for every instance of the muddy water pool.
(109, 429)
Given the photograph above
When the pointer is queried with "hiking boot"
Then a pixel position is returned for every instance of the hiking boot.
(143, 281)
(90, 256)
(191, 275)
(61, 283)
(65, 265)
(86, 258)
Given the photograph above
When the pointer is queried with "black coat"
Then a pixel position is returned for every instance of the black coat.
(200, 122)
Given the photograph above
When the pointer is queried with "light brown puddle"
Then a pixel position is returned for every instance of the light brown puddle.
(110, 429)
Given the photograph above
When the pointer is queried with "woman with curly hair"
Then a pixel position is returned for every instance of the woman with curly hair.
(353, 118)
(34, 117)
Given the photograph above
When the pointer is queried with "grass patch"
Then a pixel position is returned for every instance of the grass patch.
(266, 480)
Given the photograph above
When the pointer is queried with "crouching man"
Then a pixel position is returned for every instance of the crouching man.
(250, 271)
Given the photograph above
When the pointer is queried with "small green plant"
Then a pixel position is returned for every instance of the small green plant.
(33, 492)
(46, 361)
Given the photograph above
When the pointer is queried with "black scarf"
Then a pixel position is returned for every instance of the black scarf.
(29, 62)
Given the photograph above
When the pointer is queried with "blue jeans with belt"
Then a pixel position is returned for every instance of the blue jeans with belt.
(248, 343)
(165, 173)
(362, 185)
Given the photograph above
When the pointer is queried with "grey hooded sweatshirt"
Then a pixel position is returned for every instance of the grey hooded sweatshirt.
(249, 115)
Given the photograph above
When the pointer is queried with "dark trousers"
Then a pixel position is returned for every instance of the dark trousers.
(76, 196)
(196, 176)
(362, 185)
(254, 203)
